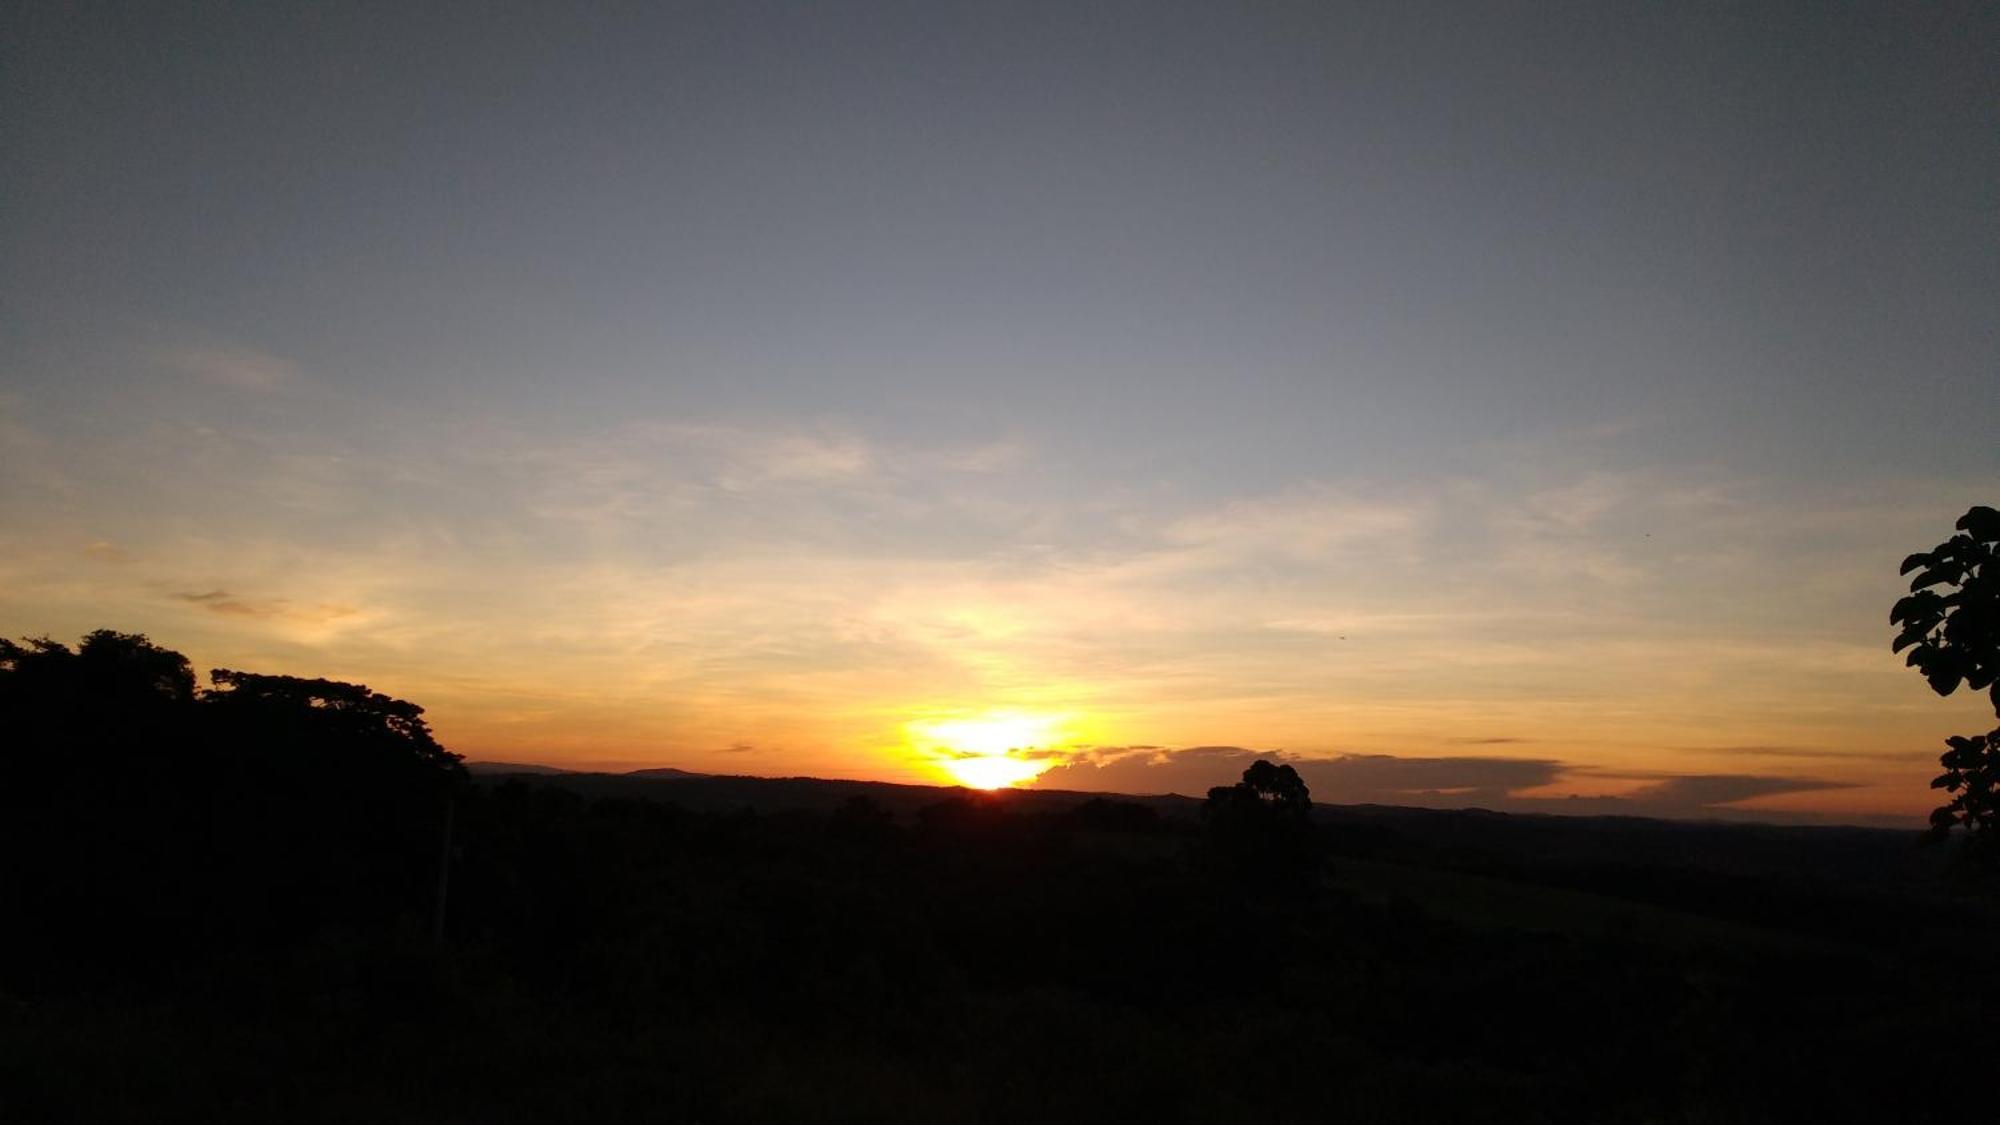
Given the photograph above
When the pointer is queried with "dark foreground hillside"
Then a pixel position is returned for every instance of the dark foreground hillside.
(222, 908)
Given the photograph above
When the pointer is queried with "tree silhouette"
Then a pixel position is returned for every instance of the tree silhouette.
(1267, 789)
(349, 717)
(108, 668)
(255, 813)
(1951, 625)
(1258, 827)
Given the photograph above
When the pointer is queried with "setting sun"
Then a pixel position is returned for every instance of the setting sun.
(988, 751)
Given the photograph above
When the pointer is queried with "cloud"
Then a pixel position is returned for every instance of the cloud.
(990, 457)
(1500, 783)
(805, 457)
(240, 369)
(1822, 753)
(1149, 770)
(1347, 779)
(1575, 505)
(105, 551)
(1387, 779)
(1303, 524)
(740, 458)
(1713, 791)
(797, 584)
(226, 604)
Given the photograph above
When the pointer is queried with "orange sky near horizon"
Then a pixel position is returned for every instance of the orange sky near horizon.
(912, 670)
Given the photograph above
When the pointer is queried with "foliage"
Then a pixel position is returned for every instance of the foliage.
(357, 719)
(1105, 815)
(1954, 636)
(107, 668)
(1267, 789)
(1972, 775)
(1951, 625)
(225, 819)
(1259, 829)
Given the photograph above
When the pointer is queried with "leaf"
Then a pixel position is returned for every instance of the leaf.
(1922, 558)
(1944, 681)
(1924, 607)
(1981, 522)
(1943, 574)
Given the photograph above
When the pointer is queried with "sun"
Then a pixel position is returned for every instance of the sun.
(990, 750)
(992, 772)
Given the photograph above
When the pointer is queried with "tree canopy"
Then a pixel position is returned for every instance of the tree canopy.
(1951, 618)
(1951, 626)
(1267, 788)
(1259, 828)
(107, 666)
(357, 719)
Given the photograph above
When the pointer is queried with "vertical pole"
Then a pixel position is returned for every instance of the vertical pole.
(444, 872)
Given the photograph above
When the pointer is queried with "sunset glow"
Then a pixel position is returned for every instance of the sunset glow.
(999, 771)
(989, 751)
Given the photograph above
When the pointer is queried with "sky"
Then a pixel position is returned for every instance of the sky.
(1524, 406)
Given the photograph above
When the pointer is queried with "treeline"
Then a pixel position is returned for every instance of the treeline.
(149, 824)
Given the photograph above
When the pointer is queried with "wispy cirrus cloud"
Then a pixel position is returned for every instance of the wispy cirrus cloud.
(1820, 752)
(105, 551)
(1718, 791)
(236, 368)
(226, 604)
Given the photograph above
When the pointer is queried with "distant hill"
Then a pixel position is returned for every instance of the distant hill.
(1474, 839)
(496, 769)
(722, 792)
(490, 768)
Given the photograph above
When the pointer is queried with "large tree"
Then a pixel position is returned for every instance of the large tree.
(1951, 625)
(1267, 790)
(1259, 828)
